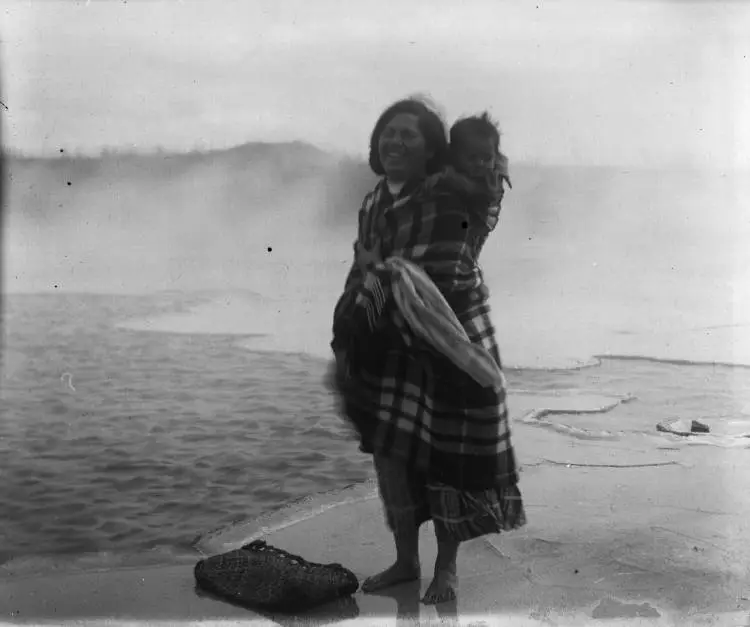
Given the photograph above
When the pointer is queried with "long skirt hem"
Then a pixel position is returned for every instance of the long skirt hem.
(410, 500)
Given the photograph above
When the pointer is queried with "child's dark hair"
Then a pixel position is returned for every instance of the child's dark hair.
(474, 126)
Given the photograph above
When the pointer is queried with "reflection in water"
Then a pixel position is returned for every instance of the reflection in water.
(409, 606)
(328, 614)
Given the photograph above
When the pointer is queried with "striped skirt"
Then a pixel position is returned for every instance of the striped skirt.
(409, 500)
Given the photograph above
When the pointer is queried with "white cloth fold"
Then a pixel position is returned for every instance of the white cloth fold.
(431, 318)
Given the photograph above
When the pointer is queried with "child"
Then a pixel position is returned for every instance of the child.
(479, 169)
(475, 151)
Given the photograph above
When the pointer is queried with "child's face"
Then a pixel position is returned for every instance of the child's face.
(477, 156)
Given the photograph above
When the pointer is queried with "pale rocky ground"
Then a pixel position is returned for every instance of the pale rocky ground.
(618, 531)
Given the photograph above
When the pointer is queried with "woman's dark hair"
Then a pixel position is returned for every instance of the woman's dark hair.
(431, 126)
(475, 126)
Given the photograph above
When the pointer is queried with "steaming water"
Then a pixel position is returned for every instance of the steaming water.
(165, 342)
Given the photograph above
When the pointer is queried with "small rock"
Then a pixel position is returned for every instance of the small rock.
(698, 427)
(679, 426)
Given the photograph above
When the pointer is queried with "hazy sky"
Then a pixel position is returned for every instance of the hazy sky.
(626, 82)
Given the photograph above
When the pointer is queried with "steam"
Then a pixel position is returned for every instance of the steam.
(139, 223)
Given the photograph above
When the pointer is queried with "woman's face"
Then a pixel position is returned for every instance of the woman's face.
(402, 148)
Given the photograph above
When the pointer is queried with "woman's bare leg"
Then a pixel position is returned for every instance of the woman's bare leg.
(406, 567)
(445, 582)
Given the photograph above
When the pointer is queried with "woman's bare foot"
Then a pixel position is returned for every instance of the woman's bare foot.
(398, 573)
(442, 588)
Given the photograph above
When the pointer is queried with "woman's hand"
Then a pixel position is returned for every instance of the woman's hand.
(337, 373)
(365, 257)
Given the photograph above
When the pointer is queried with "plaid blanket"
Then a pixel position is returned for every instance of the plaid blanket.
(408, 400)
(429, 317)
(482, 199)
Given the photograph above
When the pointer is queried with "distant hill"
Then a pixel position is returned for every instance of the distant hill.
(220, 180)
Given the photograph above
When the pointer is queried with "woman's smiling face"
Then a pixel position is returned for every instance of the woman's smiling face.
(402, 148)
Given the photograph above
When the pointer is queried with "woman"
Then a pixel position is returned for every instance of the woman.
(440, 441)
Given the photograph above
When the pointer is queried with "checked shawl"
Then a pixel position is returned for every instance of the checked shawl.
(430, 317)
(407, 398)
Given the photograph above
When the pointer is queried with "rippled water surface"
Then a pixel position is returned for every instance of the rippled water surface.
(123, 441)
